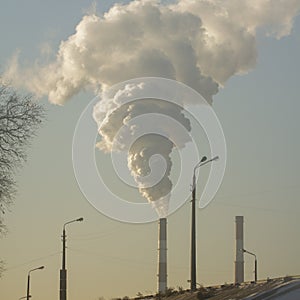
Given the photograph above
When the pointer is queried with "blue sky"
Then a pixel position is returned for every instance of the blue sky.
(259, 112)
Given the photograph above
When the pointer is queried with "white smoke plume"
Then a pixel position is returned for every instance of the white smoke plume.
(201, 43)
(148, 140)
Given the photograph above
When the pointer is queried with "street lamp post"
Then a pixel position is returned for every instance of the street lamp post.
(28, 280)
(63, 271)
(255, 263)
(199, 284)
(193, 281)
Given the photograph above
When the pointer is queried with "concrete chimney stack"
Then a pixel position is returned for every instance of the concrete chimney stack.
(162, 256)
(239, 242)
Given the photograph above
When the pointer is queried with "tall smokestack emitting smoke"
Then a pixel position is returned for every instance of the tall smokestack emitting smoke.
(162, 256)
(239, 246)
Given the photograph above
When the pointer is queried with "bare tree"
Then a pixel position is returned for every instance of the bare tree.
(2, 268)
(20, 117)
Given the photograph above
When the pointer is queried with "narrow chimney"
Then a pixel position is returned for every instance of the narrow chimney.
(162, 256)
(239, 242)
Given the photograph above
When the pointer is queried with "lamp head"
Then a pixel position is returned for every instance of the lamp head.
(80, 219)
(203, 159)
(39, 268)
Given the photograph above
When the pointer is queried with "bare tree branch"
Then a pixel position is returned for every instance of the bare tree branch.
(20, 117)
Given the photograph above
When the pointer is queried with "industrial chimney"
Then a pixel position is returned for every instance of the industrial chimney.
(162, 256)
(239, 254)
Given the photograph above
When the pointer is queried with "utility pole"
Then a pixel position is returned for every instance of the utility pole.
(28, 280)
(202, 162)
(63, 270)
(255, 263)
(193, 236)
(255, 269)
(28, 286)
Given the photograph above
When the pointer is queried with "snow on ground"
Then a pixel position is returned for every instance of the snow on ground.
(293, 295)
(290, 292)
(285, 291)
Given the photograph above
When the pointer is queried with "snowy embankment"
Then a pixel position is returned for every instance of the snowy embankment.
(285, 291)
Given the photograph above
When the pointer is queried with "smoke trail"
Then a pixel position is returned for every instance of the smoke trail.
(152, 140)
(200, 43)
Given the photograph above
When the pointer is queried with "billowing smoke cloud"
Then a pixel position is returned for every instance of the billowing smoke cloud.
(148, 130)
(201, 43)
